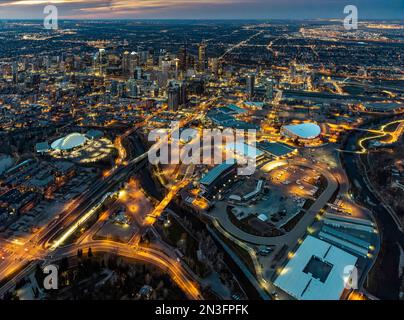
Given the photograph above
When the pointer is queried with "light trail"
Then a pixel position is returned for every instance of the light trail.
(394, 135)
(240, 44)
(79, 223)
(151, 218)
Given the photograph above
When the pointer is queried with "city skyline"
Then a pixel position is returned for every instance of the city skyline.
(210, 160)
(204, 9)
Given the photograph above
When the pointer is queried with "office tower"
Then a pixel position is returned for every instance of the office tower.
(132, 88)
(183, 93)
(177, 67)
(177, 94)
(250, 85)
(100, 62)
(173, 98)
(15, 72)
(46, 62)
(138, 73)
(103, 61)
(142, 57)
(125, 63)
(150, 60)
(202, 57)
(293, 70)
(215, 66)
(133, 63)
(165, 65)
(183, 58)
(269, 89)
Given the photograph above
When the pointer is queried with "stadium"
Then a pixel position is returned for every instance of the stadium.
(90, 147)
(304, 132)
(69, 142)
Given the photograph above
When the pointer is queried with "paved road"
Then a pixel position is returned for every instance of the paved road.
(156, 256)
(391, 234)
(66, 219)
(299, 230)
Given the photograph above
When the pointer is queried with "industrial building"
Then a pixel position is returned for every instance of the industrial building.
(317, 271)
(276, 150)
(215, 178)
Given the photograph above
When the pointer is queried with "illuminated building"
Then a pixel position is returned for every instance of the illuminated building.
(177, 94)
(215, 67)
(132, 88)
(250, 85)
(138, 73)
(269, 89)
(125, 63)
(276, 150)
(100, 62)
(173, 98)
(133, 63)
(183, 58)
(304, 131)
(317, 271)
(69, 142)
(210, 182)
(202, 57)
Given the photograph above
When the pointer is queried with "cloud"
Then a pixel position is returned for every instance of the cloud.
(110, 8)
(117, 4)
(293, 9)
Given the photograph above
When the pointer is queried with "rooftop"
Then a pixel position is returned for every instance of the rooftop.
(244, 150)
(275, 149)
(69, 142)
(317, 271)
(214, 173)
(306, 130)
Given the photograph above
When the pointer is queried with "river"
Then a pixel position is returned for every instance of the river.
(387, 284)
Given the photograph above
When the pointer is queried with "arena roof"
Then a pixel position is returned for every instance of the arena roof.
(303, 130)
(69, 142)
(317, 271)
(275, 149)
(244, 150)
(215, 173)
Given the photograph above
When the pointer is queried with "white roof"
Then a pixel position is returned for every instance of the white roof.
(69, 142)
(243, 149)
(304, 130)
(317, 271)
(263, 217)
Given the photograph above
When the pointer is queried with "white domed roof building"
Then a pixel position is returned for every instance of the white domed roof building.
(69, 142)
(303, 131)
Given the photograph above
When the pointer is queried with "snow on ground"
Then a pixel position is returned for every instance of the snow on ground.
(26, 292)
(216, 285)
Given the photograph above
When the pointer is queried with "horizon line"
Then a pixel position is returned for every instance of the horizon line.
(202, 19)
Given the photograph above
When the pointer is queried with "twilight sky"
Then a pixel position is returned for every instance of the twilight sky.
(202, 9)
